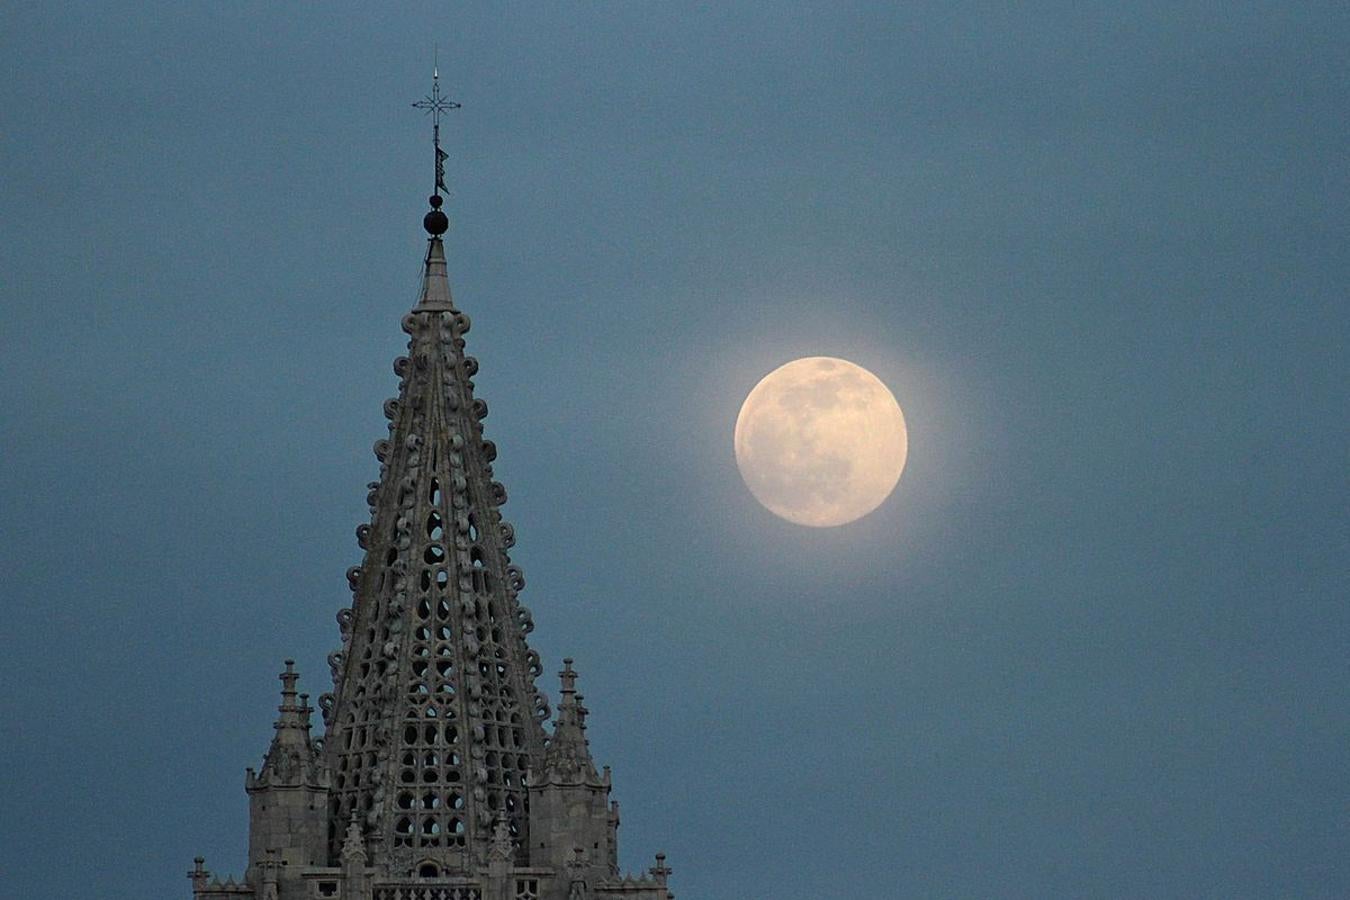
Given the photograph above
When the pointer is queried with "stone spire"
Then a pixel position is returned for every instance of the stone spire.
(434, 720)
(292, 759)
(567, 759)
(434, 775)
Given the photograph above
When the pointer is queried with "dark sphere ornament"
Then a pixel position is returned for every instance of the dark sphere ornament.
(435, 222)
(435, 201)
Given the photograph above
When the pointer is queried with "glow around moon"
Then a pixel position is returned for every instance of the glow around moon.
(821, 441)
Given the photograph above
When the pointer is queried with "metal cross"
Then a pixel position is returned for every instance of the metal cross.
(435, 104)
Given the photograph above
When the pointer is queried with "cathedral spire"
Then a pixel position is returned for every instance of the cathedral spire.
(435, 774)
(434, 719)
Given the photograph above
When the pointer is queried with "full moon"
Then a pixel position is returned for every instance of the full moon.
(821, 441)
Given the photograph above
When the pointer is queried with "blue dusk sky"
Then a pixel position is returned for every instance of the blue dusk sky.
(1097, 644)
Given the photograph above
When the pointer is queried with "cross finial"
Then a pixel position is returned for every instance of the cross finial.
(436, 105)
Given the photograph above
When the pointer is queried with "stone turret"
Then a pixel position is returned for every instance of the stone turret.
(288, 797)
(573, 826)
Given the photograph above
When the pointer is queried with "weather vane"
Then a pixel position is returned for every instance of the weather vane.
(435, 104)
